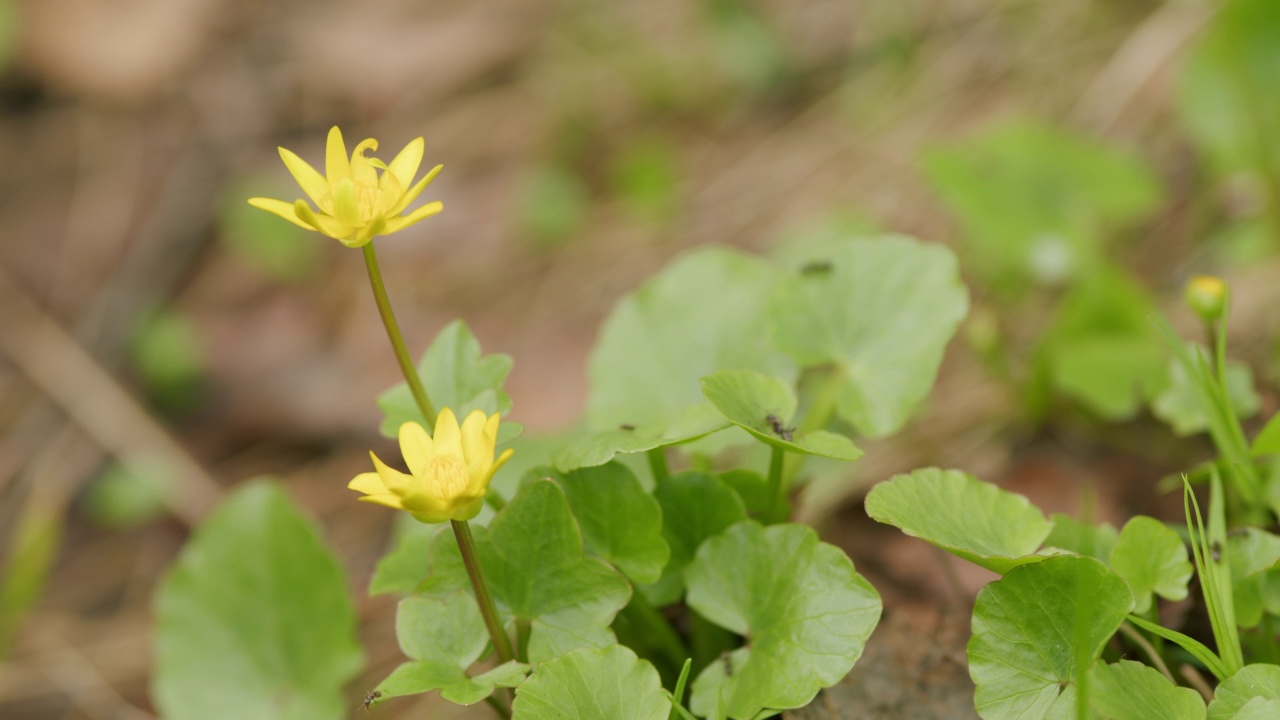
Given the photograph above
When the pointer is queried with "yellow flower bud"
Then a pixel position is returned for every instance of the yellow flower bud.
(357, 198)
(448, 474)
(1206, 296)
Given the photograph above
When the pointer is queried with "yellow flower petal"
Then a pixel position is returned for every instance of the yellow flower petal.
(503, 458)
(346, 207)
(391, 501)
(416, 190)
(325, 224)
(369, 483)
(396, 481)
(281, 208)
(416, 446)
(405, 164)
(336, 165)
(389, 193)
(362, 171)
(308, 178)
(473, 437)
(422, 213)
(448, 436)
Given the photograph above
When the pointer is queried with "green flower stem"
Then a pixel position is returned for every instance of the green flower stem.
(397, 340)
(467, 544)
(523, 627)
(658, 465)
(777, 488)
(648, 620)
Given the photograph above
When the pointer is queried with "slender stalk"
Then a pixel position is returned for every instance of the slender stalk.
(777, 488)
(523, 628)
(1137, 639)
(658, 465)
(397, 340)
(467, 544)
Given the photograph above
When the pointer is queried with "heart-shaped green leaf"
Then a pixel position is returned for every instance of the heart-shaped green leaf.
(695, 506)
(763, 406)
(702, 313)
(254, 621)
(532, 556)
(597, 448)
(1251, 681)
(593, 684)
(1032, 627)
(805, 611)
(1151, 558)
(1180, 406)
(882, 314)
(455, 375)
(959, 513)
(1095, 541)
(1130, 690)
(620, 522)
(444, 636)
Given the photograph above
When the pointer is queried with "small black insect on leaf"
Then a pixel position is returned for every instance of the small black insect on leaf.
(816, 267)
(728, 663)
(778, 428)
(1215, 550)
(371, 698)
(627, 426)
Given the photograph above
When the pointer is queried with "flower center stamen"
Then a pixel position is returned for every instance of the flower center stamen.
(446, 476)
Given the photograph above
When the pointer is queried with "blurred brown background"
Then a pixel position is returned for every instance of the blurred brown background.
(150, 319)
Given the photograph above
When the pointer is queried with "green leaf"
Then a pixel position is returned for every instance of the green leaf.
(1267, 441)
(168, 353)
(1095, 541)
(600, 447)
(1130, 690)
(1227, 100)
(1151, 557)
(593, 684)
(532, 556)
(1102, 349)
(963, 515)
(1036, 202)
(620, 522)
(806, 612)
(1180, 406)
(695, 506)
(406, 564)
(1194, 647)
(763, 406)
(1253, 551)
(645, 176)
(455, 375)
(254, 620)
(554, 205)
(124, 496)
(1251, 681)
(1258, 709)
(883, 314)
(444, 636)
(704, 312)
(1031, 628)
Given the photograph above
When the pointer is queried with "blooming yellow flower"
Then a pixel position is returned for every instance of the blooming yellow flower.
(448, 474)
(355, 201)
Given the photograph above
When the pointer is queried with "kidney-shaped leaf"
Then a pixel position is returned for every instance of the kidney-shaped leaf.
(1032, 626)
(963, 515)
(805, 611)
(704, 312)
(532, 555)
(1130, 690)
(883, 315)
(455, 375)
(598, 448)
(763, 406)
(621, 523)
(1251, 681)
(254, 621)
(593, 684)
(444, 636)
(1151, 558)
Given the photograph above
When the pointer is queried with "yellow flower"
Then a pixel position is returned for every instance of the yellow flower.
(355, 201)
(1206, 295)
(448, 474)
